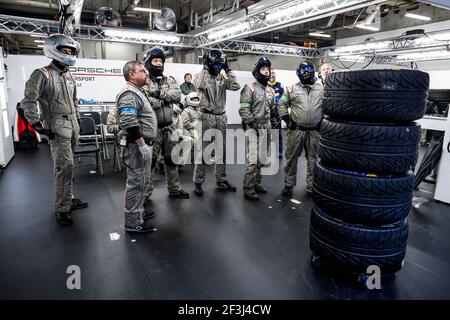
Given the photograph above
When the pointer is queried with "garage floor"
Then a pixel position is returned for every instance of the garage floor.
(216, 247)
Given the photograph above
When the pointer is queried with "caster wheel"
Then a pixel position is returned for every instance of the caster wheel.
(315, 260)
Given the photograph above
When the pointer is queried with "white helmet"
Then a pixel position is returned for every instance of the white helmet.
(192, 99)
(55, 42)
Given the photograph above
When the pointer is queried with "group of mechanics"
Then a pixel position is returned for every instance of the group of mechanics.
(150, 112)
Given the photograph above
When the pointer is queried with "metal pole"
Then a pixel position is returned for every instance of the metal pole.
(150, 23)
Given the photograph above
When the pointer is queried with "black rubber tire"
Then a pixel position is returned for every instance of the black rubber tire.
(363, 199)
(377, 148)
(379, 80)
(376, 95)
(438, 95)
(352, 248)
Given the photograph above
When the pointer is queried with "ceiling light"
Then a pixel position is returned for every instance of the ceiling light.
(417, 16)
(317, 34)
(39, 41)
(146, 9)
(228, 31)
(443, 36)
(40, 45)
(427, 55)
(315, 5)
(294, 9)
(142, 35)
(374, 46)
(352, 58)
(367, 27)
(39, 35)
(432, 39)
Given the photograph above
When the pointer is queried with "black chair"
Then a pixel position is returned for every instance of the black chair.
(92, 114)
(98, 124)
(86, 147)
(111, 139)
(104, 117)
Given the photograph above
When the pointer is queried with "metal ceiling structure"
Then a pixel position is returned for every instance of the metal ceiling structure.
(268, 49)
(282, 15)
(271, 16)
(439, 3)
(419, 46)
(42, 28)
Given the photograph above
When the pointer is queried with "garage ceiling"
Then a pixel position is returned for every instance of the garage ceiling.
(342, 25)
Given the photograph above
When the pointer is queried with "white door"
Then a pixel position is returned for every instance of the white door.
(441, 192)
(6, 139)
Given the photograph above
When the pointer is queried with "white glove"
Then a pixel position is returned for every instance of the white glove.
(145, 150)
(195, 135)
(177, 109)
(223, 74)
(187, 138)
(176, 135)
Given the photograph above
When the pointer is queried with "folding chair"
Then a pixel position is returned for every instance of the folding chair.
(88, 147)
(110, 138)
(97, 120)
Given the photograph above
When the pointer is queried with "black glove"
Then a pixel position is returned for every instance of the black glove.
(46, 132)
(274, 113)
(226, 67)
(292, 125)
(155, 94)
(286, 119)
(289, 123)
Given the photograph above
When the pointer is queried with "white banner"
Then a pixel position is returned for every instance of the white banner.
(101, 80)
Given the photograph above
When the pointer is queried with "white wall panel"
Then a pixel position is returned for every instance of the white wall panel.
(101, 80)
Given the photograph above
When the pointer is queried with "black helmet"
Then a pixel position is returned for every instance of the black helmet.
(305, 72)
(155, 52)
(262, 62)
(214, 61)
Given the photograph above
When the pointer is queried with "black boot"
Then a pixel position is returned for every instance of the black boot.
(64, 218)
(198, 189)
(147, 203)
(260, 189)
(161, 168)
(148, 215)
(225, 186)
(250, 194)
(78, 204)
(181, 194)
(142, 228)
(287, 191)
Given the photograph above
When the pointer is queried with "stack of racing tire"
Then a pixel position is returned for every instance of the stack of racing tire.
(364, 179)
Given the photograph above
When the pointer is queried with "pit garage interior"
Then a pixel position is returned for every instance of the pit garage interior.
(220, 245)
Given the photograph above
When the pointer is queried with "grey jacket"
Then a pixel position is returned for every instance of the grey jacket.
(212, 90)
(256, 102)
(133, 109)
(305, 103)
(190, 116)
(169, 93)
(54, 92)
